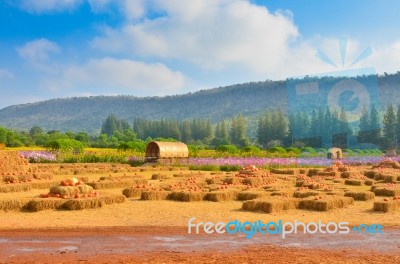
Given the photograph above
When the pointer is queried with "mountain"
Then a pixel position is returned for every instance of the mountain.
(88, 113)
(250, 99)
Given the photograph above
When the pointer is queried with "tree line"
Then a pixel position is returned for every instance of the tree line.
(274, 128)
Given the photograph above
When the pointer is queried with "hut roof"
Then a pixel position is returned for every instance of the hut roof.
(157, 149)
(334, 149)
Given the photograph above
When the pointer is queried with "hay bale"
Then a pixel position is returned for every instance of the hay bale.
(361, 196)
(346, 175)
(221, 196)
(155, 195)
(213, 181)
(71, 190)
(305, 194)
(353, 182)
(37, 205)
(387, 178)
(112, 199)
(13, 204)
(286, 193)
(313, 172)
(283, 171)
(253, 181)
(116, 184)
(43, 175)
(369, 182)
(270, 205)
(80, 204)
(384, 191)
(159, 176)
(132, 192)
(187, 196)
(325, 204)
(327, 173)
(370, 174)
(386, 206)
(18, 187)
(233, 180)
(251, 195)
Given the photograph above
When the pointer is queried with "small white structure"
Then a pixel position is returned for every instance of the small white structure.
(335, 153)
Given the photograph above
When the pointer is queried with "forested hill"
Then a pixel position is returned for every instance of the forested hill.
(88, 113)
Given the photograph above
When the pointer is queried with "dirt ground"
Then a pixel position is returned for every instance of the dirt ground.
(136, 245)
(140, 231)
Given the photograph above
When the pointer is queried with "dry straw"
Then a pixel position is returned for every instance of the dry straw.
(159, 176)
(251, 195)
(132, 192)
(361, 196)
(387, 206)
(13, 204)
(270, 205)
(155, 195)
(221, 196)
(383, 191)
(187, 196)
(116, 184)
(305, 194)
(313, 172)
(325, 204)
(17, 187)
(283, 171)
(353, 182)
(233, 180)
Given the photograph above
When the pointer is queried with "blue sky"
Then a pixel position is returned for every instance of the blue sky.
(64, 48)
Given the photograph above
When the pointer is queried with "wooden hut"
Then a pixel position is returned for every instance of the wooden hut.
(335, 153)
(166, 152)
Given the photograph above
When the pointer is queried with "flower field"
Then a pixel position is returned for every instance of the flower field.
(283, 162)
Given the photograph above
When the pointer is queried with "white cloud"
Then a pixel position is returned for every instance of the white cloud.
(38, 50)
(213, 34)
(110, 74)
(6, 74)
(48, 6)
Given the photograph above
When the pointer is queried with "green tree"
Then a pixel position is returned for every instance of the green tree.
(238, 134)
(389, 127)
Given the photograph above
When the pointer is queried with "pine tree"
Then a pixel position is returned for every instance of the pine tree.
(398, 125)
(238, 131)
(375, 127)
(364, 127)
(389, 127)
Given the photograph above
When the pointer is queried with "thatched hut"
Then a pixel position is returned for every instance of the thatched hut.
(335, 153)
(166, 152)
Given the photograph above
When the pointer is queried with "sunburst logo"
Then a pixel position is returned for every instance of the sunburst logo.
(348, 90)
(343, 47)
